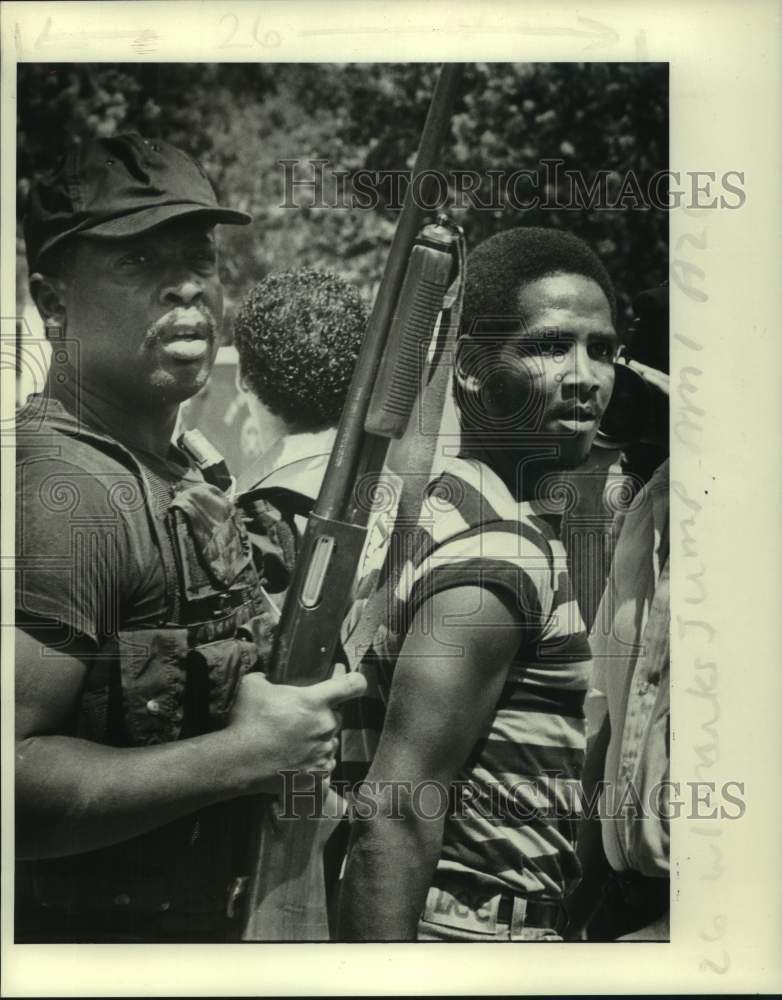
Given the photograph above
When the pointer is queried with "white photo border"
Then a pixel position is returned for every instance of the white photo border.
(726, 358)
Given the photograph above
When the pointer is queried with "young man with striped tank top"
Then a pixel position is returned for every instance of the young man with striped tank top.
(465, 754)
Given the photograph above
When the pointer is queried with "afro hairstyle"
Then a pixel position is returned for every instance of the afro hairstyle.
(298, 334)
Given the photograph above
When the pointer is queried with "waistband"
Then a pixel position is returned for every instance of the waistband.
(454, 902)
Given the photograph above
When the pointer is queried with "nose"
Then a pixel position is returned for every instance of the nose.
(580, 376)
(181, 288)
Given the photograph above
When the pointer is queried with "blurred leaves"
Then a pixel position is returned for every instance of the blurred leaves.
(240, 119)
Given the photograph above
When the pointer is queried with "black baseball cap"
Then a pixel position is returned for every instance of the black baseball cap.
(118, 186)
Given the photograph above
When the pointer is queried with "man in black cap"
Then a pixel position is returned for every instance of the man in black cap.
(142, 728)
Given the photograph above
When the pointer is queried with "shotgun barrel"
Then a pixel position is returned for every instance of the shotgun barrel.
(286, 895)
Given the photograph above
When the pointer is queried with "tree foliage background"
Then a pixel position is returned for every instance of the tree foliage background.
(241, 119)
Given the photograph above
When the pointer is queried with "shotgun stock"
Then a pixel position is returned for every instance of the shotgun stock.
(285, 898)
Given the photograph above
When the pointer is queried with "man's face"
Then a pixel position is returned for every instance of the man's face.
(553, 380)
(146, 312)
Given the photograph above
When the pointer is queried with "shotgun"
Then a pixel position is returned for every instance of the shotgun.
(285, 896)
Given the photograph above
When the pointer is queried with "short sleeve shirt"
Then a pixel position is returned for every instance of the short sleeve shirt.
(87, 562)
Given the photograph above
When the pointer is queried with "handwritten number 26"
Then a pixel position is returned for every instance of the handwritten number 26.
(267, 39)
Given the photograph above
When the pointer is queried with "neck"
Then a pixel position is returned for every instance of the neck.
(520, 471)
(139, 426)
(293, 445)
(274, 431)
(270, 427)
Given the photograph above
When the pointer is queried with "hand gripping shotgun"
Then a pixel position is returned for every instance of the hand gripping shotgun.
(284, 899)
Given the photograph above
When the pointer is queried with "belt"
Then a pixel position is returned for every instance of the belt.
(512, 910)
(537, 913)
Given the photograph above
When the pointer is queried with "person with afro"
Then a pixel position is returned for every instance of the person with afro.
(297, 335)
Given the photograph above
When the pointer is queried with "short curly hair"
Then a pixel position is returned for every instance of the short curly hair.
(298, 334)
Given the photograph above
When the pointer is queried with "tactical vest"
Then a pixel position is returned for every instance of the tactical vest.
(171, 679)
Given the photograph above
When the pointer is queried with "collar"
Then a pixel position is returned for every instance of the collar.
(290, 450)
(492, 486)
(41, 408)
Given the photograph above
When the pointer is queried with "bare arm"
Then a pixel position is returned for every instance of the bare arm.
(74, 796)
(441, 702)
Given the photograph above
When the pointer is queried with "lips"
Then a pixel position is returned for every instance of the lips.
(186, 349)
(184, 335)
(577, 414)
(197, 328)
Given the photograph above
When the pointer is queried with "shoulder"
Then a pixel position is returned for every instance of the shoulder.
(473, 533)
(468, 512)
(58, 473)
(45, 429)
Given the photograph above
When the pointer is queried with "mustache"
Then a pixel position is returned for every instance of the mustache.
(193, 320)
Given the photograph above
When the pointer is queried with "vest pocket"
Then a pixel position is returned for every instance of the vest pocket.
(170, 689)
(224, 662)
(153, 670)
(210, 540)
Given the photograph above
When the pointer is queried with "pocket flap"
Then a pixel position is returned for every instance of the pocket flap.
(216, 530)
(153, 673)
(227, 661)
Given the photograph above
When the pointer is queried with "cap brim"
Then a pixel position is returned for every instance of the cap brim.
(142, 221)
(150, 218)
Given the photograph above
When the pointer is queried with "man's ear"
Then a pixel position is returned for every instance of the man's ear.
(467, 367)
(241, 384)
(49, 296)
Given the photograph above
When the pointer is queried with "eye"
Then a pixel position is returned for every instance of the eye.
(204, 260)
(602, 350)
(554, 349)
(136, 258)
